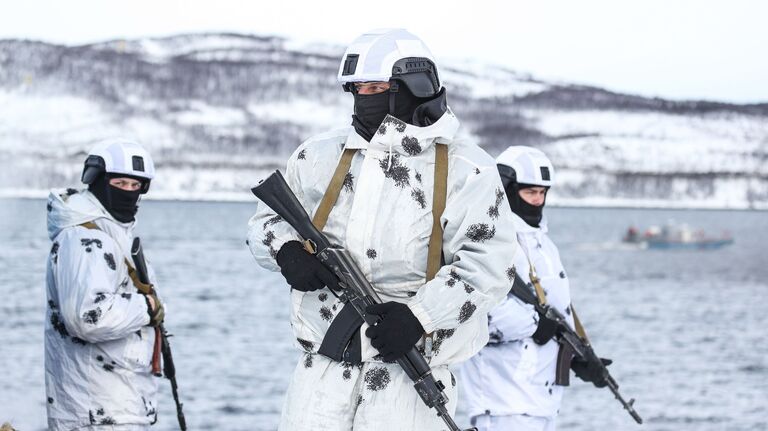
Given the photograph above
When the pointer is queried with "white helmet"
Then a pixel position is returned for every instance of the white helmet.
(119, 156)
(384, 54)
(525, 165)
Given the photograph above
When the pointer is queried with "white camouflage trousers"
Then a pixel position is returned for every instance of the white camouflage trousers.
(335, 396)
(514, 422)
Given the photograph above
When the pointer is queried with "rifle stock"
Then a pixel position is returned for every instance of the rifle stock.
(277, 195)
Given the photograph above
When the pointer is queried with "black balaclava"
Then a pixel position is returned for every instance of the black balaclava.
(370, 109)
(120, 203)
(529, 213)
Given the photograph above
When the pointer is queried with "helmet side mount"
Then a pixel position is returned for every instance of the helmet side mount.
(350, 64)
(544, 173)
(138, 163)
(507, 174)
(94, 166)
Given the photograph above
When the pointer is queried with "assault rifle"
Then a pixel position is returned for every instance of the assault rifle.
(161, 335)
(356, 289)
(572, 344)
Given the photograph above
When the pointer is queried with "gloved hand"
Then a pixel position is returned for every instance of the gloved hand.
(302, 271)
(545, 331)
(155, 309)
(396, 333)
(590, 372)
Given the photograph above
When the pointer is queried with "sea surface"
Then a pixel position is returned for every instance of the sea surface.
(686, 328)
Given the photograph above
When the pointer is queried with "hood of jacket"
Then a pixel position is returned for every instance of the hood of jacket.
(70, 207)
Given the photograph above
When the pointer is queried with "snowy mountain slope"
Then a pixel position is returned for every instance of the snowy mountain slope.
(218, 111)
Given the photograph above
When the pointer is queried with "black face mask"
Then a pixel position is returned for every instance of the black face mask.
(530, 214)
(120, 203)
(370, 110)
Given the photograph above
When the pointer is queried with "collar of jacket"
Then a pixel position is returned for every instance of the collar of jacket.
(406, 139)
(522, 227)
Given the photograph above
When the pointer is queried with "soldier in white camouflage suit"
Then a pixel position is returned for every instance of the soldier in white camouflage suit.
(383, 216)
(511, 383)
(98, 338)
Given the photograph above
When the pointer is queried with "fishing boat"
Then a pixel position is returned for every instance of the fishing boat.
(675, 236)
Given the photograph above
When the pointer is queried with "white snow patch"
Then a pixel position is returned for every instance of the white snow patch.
(313, 113)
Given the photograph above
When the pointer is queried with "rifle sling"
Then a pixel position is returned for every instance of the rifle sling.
(435, 250)
(578, 326)
(331, 194)
(339, 341)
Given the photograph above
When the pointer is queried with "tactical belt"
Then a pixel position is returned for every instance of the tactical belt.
(342, 339)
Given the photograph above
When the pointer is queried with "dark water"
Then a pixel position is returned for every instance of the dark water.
(686, 329)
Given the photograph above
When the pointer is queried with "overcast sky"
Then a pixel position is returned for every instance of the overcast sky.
(681, 49)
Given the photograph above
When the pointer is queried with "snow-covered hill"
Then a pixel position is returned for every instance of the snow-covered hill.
(218, 111)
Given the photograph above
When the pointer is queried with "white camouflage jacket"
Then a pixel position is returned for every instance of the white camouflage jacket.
(98, 347)
(513, 374)
(384, 218)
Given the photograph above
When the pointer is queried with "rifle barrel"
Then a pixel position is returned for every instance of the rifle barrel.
(628, 406)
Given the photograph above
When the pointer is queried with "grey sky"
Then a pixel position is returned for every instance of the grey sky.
(681, 49)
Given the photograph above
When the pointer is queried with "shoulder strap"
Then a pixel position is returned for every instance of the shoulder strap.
(334, 189)
(435, 250)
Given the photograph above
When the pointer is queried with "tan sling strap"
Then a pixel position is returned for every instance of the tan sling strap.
(334, 189)
(438, 206)
(435, 250)
(536, 281)
(579, 327)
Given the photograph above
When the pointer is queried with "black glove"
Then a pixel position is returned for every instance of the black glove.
(545, 331)
(590, 372)
(396, 333)
(303, 271)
